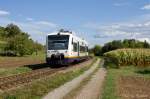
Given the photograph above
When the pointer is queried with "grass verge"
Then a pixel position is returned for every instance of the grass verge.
(13, 71)
(39, 88)
(110, 84)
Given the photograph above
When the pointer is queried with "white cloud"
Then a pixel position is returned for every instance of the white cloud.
(144, 39)
(4, 13)
(120, 4)
(146, 7)
(29, 19)
(37, 29)
(122, 29)
(46, 23)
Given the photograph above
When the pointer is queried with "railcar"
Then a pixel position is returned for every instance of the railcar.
(64, 47)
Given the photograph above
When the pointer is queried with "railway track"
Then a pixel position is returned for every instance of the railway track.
(13, 81)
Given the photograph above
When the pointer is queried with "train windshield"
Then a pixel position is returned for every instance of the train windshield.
(58, 42)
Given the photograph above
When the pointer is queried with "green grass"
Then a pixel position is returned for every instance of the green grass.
(40, 55)
(37, 89)
(7, 71)
(110, 84)
(13, 71)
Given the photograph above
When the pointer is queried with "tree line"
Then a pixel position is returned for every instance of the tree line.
(15, 42)
(118, 44)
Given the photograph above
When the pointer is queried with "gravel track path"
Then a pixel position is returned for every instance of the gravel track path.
(63, 90)
(93, 88)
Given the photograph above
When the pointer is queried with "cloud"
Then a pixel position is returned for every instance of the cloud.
(4, 13)
(144, 39)
(120, 4)
(29, 19)
(36, 29)
(146, 7)
(121, 30)
(45, 23)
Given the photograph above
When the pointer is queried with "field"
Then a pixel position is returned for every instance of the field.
(127, 83)
(38, 88)
(22, 61)
(136, 57)
(132, 79)
(17, 65)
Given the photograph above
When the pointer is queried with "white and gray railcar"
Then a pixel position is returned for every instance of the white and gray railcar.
(64, 47)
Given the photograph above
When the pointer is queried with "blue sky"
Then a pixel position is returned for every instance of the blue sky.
(98, 21)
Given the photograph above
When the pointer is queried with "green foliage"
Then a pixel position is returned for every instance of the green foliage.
(2, 32)
(18, 42)
(137, 57)
(96, 50)
(12, 30)
(13, 71)
(127, 43)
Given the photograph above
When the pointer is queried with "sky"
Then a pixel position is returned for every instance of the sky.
(97, 21)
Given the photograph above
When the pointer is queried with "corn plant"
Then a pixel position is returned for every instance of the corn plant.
(137, 57)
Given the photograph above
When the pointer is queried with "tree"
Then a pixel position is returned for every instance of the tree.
(12, 30)
(20, 45)
(2, 32)
(17, 42)
(146, 44)
(97, 50)
(126, 43)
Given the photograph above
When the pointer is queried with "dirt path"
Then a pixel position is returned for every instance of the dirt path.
(92, 89)
(63, 90)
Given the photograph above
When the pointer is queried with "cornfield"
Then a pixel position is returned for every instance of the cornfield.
(136, 57)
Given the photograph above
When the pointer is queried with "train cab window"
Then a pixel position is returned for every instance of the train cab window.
(75, 47)
(58, 42)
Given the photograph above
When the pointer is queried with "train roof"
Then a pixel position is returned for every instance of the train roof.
(68, 33)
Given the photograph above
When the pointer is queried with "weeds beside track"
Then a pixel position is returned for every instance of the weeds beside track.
(13, 81)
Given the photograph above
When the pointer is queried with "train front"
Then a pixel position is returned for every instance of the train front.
(57, 49)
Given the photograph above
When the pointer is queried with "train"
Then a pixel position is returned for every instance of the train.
(64, 47)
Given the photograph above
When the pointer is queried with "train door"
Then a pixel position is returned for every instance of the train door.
(78, 49)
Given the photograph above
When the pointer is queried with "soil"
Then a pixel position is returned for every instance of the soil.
(92, 89)
(130, 87)
(7, 62)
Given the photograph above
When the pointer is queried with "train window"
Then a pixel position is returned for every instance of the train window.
(82, 48)
(58, 42)
(75, 47)
(72, 40)
(87, 48)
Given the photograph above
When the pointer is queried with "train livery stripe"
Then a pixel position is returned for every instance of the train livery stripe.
(72, 56)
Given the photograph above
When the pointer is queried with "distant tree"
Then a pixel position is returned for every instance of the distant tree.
(97, 50)
(2, 32)
(126, 43)
(146, 44)
(18, 42)
(12, 30)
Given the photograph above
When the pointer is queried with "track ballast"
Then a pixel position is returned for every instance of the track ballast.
(13, 81)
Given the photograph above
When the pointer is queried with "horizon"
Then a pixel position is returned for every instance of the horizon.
(96, 21)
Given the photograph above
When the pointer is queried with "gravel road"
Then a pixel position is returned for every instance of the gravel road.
(87, 92)
(93, 88)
